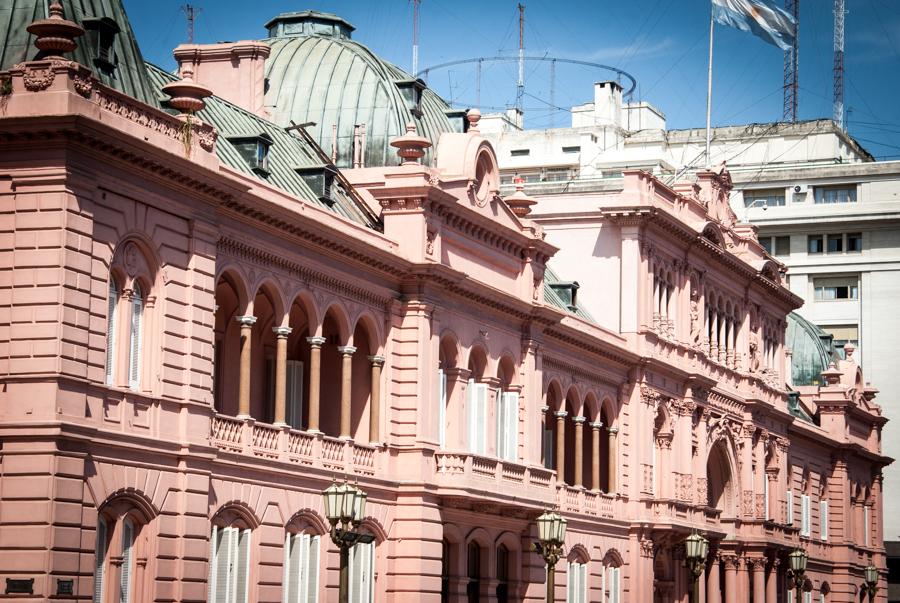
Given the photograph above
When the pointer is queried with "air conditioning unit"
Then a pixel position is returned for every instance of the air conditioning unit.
(801, 189)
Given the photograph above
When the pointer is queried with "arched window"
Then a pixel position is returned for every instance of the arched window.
(229, 563)
(112, 305)
(576, 582)
(473, 560)
(119, 553)
(612, 583)
(301, 567)
(134, 358)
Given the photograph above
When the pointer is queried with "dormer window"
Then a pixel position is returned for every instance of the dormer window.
(567, 292)
(101, 35)
(254, 149)
(458, 120)
(411, 91)
(320, 178)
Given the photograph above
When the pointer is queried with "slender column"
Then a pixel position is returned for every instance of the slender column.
(281, 337)
(579, 450)
(613, 431)
(375, 410)
(731, 567)
(758, 568)
(346, 381)
(560, 445)
(713, 588)
(772, 581)
(315, 380)
(247, 323)
(595, 455)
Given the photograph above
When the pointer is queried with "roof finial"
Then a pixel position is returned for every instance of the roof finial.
(519, 202)
(55, 35)
(474, 116)
(187, 95)
(411, 147)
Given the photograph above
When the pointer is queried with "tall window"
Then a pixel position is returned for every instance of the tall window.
(134, 359)
(612, 584)
(804, 515)
(127, 571)
(507, 425)
(790, 508)
(476, 403)
(548, 442)
(112, 305)
(229, 566)
(823, 519)
(576, 586)
(362, 573)
(473, 561)
(301, 568)
(502, 574)
(114, 555)
(100, 559)
(442, 408)
(294, 394)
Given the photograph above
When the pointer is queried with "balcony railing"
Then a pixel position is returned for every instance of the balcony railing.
(260, 440)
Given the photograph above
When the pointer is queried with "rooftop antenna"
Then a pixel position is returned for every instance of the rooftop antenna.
(415, 57)
(191, 12)
(792, 65)
(839, 13)
(520, 83)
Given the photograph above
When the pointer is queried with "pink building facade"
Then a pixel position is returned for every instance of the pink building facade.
(191, 352)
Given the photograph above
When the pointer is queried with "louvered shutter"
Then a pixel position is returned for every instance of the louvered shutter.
(570, 583)
(867, 525)
(804, 515)
(361, 573)
(790, 507)
(294, 394)
(292, 569)
(286, 590)
(617, 572)
(581, 591)
(471, 416)
(112, 305)
(213, 553)
(224, 575)
(134, 363)
(100, 561)
(807, 596)
(790, 595)
(242, 569)
(312, 571)
(127, 561)
(512, 426)
(823, 519)
(501, 424)
(442, 408)
(481, 419)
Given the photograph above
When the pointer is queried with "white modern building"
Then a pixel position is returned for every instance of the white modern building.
(824, 208)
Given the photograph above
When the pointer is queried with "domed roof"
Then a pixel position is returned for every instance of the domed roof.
(317, 73)
(812, 350)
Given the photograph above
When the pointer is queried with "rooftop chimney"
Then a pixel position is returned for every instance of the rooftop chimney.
(234, 71)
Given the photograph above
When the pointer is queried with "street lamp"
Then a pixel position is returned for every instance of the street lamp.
(551, 535)
(797, 561)
(695, 549)
(871, 581)
(345, 508)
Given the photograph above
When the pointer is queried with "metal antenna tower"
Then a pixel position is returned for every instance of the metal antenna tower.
(520, 83)
(791, 65)
(191, 12)
(839, 13)
(415, 57)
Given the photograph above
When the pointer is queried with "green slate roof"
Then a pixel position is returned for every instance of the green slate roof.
(552, 298)
(812, 350)
(17, 45)
(317, 73)
(286, 153)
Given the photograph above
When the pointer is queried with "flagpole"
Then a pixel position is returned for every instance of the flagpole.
(709, 87)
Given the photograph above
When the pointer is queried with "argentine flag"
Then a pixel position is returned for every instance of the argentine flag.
(760, 17)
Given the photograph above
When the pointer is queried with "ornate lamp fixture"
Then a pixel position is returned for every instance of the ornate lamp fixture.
(871, 581)
(797, 561)
(345, 508)
(551, 535)
(696, 548)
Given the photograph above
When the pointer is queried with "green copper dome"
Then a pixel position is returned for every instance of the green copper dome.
(318, 73)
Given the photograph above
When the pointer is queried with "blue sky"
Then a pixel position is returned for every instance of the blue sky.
(662, 43)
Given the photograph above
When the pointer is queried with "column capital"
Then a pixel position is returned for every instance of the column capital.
(560, 414)
(376, 360)
(613, 430)
(282, 331)
(544, 409)
(246, 321)
(578, 420)
(346, 350)
(316, 342)
(596, 424)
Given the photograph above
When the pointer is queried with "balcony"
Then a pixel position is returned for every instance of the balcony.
(250, 438)
(462, 473)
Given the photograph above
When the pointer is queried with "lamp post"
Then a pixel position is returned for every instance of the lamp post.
(695, 549)
(345, 508)
(871, 581)
(551, 535)
(797, 560)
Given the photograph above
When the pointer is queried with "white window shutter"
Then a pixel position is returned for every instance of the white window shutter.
(510, 417)
(288, 587)
(807, 596)
(134, 363)
(500, 420)
(472, 415)
(442, 408)
(570, 583)
(790, 507)
(112, 305)
(790, 595)
(481, 423)
(220, 589)
(823, 518)
(100, 561)
(242, 571)
(582, 582)
(361, 573)
(127, 561)
(867, 525)
(804, 515)
(294, 394)
(312, 571)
